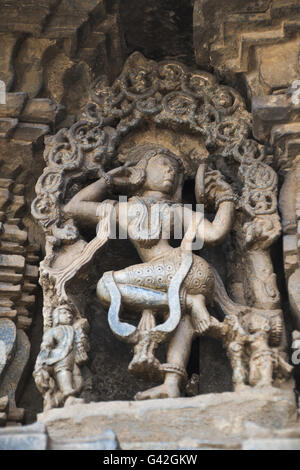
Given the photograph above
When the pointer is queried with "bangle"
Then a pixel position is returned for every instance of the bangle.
(107, 178)
(225, 198)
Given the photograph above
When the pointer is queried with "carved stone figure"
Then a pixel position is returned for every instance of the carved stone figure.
(62, 350)
(170, 281)
(157, 126)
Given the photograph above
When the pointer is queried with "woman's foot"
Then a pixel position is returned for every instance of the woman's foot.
(162, 391)
(241, 387)
(71, 401)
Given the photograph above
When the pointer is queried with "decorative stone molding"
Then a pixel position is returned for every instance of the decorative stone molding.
(18, 280)
(24, 119)
(54, 49)
(259, 40)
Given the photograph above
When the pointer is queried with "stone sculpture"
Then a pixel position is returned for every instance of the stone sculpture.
(62, 350)
(157, 126)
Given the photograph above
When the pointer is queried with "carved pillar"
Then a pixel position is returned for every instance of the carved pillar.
(277, 122)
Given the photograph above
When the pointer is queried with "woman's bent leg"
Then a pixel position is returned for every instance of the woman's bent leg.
(135, 297)
(178, 356)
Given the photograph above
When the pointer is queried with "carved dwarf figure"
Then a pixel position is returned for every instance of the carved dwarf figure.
(232, 335)
(63, 349)
(246, 340)
(260, 360)
(263, 360)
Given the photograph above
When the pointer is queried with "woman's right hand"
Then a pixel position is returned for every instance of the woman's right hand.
(120, 176)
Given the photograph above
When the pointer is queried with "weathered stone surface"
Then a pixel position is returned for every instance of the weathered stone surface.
(15, 262)
(42, 110)
(206, 417)
(271, 444)
(7, 127)
(14, 104)
(271, 111)
(7, 344)
(105, 441)
(35, 437)
(24, 438)
(254, 43)
(17, 288)
(35, 37)
(11, 380)
(8, 47)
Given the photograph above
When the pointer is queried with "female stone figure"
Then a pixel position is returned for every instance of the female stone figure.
(171, 283)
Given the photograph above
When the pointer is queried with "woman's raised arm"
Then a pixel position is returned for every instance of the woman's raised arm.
(85, 203)
(216, 231)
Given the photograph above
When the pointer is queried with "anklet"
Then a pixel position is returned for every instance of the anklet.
(175, 369)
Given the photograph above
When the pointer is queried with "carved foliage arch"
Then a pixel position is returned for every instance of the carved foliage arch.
(168, 95)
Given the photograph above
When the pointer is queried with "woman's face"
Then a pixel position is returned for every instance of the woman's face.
(162, 174)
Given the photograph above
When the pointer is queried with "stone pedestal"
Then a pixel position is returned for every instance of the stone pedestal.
(210, 421)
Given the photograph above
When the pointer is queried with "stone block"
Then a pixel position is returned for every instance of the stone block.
(14, 105)
(35, 437)
(10, 290)
(7, 127)
(30, 132)
(13, 374)
(41, 110)
(7, 344)
(150, 424)
(104, 441)
(13, 262)
(24, 438)
(11, 247)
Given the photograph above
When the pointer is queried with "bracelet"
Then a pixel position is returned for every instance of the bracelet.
(107, 178)
(225, 198)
